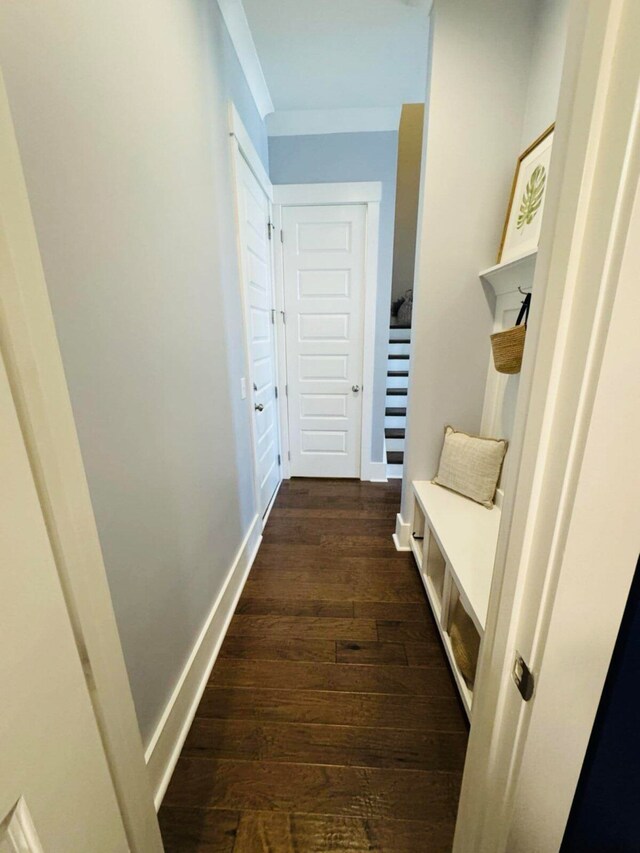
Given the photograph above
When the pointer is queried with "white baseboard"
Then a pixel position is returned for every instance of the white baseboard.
(402, 534)
(267, 513)
(376, 473)
(171, 732)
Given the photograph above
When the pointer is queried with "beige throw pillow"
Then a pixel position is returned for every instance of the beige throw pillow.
(471, 465)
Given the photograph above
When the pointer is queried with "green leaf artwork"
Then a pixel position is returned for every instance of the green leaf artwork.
(532, 197)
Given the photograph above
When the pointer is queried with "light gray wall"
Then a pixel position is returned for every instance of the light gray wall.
(121, 115)
(476, 102)
(344, 157)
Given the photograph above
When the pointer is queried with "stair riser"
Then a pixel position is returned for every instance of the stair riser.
(395, 443)
(399, 349)
(394, 471)
(397, 381)
(399, 401)
(394, 422)
(398, 364)
(402, 334)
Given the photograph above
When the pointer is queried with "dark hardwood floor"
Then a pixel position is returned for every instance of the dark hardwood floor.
(330, 722)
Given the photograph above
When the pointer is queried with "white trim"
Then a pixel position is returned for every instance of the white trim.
(17, 831)
(363, 192)
(368, 468)
(359, 192)
(165, 746)
(402, 535)
(29, 347)
(248, 150)
(283, 399)
(235, 19)
(265, 517)
(378, 472)
(318, 122)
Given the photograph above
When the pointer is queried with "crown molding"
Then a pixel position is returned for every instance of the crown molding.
(312, 122)
(237, 24)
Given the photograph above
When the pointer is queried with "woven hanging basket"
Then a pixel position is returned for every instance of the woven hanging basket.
(508, 346)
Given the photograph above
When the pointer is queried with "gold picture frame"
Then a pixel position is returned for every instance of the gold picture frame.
(537, 192)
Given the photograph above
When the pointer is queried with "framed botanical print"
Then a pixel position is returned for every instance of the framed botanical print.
(526, 205)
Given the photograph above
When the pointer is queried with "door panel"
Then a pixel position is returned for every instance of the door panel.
(256, 263)
(55, 785)
(324, 293)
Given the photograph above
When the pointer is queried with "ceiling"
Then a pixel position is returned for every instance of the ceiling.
(339, 54)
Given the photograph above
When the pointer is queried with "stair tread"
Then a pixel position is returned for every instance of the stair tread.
(395, 412)
(395, 355)
(397, 372)
(394, 432)
(396, 392)
(395, 457)
(399, 340)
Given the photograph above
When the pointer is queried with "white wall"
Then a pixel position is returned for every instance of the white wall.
(494, 86)
(121, 116)
(478, 82)
(344, 157)
(550, 32)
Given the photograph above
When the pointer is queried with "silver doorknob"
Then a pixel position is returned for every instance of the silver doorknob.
(259, 407)
(355, 388)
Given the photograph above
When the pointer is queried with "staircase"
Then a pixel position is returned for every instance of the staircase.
(395, 419)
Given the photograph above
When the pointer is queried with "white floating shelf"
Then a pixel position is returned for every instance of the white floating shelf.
(509, 275)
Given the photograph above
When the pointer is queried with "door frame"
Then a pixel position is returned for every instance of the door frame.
(368, 193)
(594, 177)
(29, 348)
(243, 150)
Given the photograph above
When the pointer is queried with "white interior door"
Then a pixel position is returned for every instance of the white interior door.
(259, 324)
(56, 792)
(324, 268)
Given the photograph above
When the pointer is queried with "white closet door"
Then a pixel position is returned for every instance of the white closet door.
(56, 792)
(258, 291)
(324, 267)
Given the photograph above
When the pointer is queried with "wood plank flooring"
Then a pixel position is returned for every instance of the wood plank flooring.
(330, 722)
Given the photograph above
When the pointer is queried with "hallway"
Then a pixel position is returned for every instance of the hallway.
(330, 721)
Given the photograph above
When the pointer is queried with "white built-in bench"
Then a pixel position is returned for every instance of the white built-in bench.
(454, 542)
